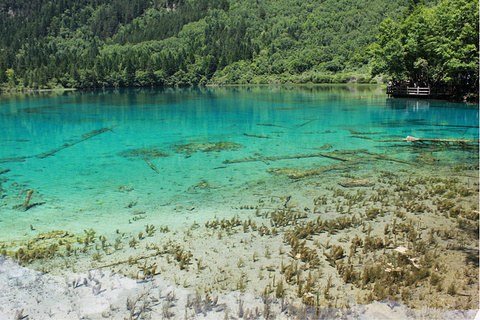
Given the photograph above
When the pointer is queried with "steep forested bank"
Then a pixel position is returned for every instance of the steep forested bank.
(437, 46)
(124, 43)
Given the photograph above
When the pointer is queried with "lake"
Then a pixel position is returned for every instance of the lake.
(183, 170)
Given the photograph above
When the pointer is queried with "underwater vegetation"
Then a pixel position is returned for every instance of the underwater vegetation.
(142, 153)
(186, 149)
(349, 159)
(405, 235)
(190, 148)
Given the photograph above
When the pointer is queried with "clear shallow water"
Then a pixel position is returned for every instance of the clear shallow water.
(98, 180)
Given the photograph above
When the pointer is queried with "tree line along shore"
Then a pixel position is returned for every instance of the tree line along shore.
(111, 44)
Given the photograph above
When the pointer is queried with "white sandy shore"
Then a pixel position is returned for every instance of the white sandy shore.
(29, 294)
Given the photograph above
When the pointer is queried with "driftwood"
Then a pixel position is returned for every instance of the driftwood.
(270, 125)
(295, 126)
(420, 140)
(255, 136)
(25, 206)
(14, 159)
(85, 136)
(351, 159)
(356, 183)
(304, 173)
(345, 155)
(304, 124)
(299, 156)
(377, 156)
(151, 165)
(441, 143)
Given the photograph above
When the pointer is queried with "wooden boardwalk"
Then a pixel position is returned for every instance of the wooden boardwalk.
(403, 91)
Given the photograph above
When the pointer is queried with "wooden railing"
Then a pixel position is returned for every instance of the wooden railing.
(408, 91)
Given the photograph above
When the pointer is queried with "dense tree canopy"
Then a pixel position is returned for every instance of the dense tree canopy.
(99, 43)
(437, 43)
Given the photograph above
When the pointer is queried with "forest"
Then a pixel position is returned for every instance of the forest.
(142, 43)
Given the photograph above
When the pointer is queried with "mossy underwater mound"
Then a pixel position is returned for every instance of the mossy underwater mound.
(142, 153)
(207, 147)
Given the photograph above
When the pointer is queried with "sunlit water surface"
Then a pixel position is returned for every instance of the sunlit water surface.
(90, 157)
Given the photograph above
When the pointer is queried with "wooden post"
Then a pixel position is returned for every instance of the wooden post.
(25, 206)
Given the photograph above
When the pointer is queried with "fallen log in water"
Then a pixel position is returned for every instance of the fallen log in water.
(440, 143)
(255, 136)
(27, 200)
(304, 173)
(2, 171)
(13, 159)
(269, 125)
(151, 165)
(340, 155)
(299, 156)
(304, 124)
(413, 139)
(85, 136)
(353, 163)
(27, 204)
(351, 159)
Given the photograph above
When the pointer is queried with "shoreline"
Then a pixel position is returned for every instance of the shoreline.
(461, 99)
(97, 294)
(308, 240)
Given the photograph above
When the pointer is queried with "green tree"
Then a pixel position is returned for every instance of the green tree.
(440, 42)
(10, 74)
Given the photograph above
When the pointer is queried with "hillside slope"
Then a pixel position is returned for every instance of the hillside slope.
(99, 43)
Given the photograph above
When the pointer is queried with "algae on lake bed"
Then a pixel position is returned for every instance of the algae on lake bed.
(411, 237)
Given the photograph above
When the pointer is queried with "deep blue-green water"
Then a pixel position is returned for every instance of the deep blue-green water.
(84, 177)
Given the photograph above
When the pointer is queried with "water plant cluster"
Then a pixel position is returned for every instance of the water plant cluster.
(409, 237)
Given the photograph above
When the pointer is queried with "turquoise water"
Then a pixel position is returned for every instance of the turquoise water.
(84, 178)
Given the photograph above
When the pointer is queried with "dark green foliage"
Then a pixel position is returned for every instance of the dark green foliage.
(438, 44)
(123, 43)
